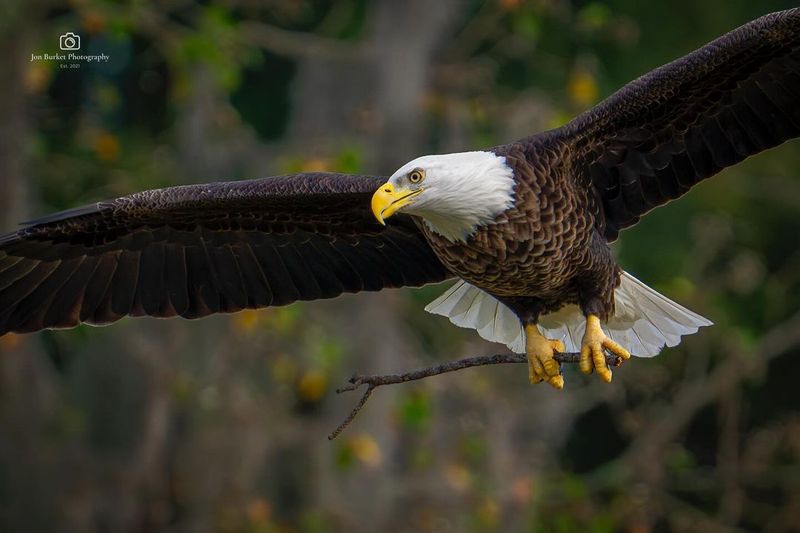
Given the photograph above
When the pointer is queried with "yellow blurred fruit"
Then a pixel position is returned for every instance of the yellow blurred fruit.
(582, 88)
(37, 76)
(312, 385)
(10, 341)
(106, 147)
(510, 5)
(246, 321)
(522, 490)
(458, 477)
(488, 513)
(366, 449)
(316, 164)
(259, 511)
(93, 21)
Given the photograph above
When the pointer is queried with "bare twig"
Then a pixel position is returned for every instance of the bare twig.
(373, 381)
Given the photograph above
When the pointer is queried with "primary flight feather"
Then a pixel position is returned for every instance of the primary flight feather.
(525, 226)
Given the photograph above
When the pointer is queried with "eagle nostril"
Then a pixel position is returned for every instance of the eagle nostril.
(387, 189)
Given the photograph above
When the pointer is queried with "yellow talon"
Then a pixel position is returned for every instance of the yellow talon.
(593, 348)
(541, 365)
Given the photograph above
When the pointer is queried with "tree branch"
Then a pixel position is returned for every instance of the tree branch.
(377, 380)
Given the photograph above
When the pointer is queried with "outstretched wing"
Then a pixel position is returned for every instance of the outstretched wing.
(663, 133)
(195, 250)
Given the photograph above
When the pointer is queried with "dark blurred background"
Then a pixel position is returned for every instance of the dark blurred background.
(221, 424)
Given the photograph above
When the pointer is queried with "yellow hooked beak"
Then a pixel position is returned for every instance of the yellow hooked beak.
(386, 201)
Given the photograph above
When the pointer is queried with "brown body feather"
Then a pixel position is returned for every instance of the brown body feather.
(544, 252)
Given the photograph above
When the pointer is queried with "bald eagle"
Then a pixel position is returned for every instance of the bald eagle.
(525, 227)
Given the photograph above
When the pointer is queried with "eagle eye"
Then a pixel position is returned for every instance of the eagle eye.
(416, 175)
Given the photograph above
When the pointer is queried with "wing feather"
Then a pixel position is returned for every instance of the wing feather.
(283, 288)
(195, 250)
(98, 293)
(27, 314)
(23, 281)
(125, 283)
(65, 307)
(253, 279)
(151, 293)
(663, 133)
(175, 277)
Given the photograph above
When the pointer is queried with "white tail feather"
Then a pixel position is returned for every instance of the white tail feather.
(644, 321)
(504, 326)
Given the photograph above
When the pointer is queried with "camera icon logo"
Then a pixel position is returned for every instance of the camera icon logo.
(69, 41)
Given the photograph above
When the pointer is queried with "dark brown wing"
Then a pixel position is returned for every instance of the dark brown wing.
(201, 249)
(679, 124)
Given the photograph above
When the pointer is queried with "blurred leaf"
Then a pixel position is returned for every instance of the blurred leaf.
(71, 421)
(328, 352)
(573, 487)
(681, 460)
(283, 368)
(422, 457)
(182, 388)
(283, 320)
(345, 456)
(473, 448)
(312, 521)
(348, 161)
(527, 24)
(415, 410)
(594, 15)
